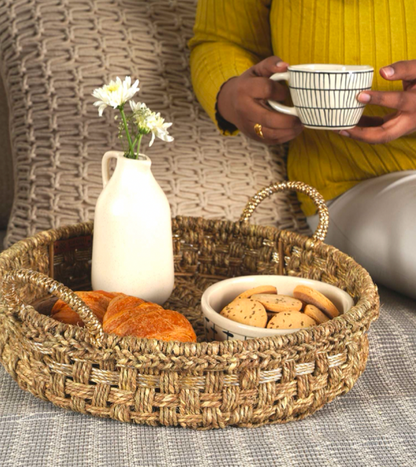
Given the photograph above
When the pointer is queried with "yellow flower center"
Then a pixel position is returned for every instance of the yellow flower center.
(112, 87)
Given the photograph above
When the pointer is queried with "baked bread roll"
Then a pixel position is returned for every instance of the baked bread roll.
(130, 316)
(97, 301)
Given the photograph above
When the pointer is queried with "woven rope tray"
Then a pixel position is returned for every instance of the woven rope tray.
(204, 385)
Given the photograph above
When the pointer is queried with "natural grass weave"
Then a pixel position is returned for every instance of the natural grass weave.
(204, 385)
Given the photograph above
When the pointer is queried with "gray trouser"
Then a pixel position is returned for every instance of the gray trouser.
(375, 223)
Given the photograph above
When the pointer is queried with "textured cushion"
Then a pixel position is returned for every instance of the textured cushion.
(55, 52)
(6, 166)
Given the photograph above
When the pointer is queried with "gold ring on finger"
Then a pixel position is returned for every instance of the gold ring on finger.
(258, 129)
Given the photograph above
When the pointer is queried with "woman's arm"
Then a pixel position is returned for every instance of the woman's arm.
(232, 40)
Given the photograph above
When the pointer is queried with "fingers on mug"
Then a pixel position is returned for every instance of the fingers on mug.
(325, 96)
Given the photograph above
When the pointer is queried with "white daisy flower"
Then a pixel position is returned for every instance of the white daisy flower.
(141, 113)
(115, 94)
(159, 128)
(150, 122)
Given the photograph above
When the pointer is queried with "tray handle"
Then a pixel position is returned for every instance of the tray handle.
(53, 287)
(317, 198)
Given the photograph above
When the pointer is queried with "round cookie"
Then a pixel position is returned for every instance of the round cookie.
(269, 289)
(316, 314)
(313, 297)
(246, 311)
(278, 303)
(290, 320)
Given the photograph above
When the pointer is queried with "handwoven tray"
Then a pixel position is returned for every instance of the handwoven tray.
(204, 385)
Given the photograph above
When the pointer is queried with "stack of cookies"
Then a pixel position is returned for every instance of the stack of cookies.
(263, 307)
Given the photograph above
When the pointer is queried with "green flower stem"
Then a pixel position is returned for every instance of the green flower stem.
(135, 140)
(131, 147)
(138, 144)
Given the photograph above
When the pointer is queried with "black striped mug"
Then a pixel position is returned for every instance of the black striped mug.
(325, 96)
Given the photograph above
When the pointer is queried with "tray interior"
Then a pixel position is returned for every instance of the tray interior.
(186, 298)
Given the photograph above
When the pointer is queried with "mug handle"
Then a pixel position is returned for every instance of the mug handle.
(276, 105)
(104, 165)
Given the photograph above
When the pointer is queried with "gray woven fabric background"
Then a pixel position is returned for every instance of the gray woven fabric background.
(373, 425)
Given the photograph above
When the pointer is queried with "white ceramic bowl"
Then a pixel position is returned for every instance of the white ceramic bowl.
(216, 297)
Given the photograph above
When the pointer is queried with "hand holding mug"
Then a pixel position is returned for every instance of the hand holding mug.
(242, 101)
(392, 126)
(325, 96)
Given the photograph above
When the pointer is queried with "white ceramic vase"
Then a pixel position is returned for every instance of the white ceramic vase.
(132, 245)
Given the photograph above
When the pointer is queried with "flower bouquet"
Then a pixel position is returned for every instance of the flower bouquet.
(142, 121)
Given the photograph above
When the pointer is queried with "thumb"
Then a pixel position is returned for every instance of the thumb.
(269, 66)
(404, 70)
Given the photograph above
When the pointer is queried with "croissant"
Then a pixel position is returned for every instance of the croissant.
(97, 301)
(127, 316)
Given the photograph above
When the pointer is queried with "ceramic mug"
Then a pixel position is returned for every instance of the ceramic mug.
(325, 96)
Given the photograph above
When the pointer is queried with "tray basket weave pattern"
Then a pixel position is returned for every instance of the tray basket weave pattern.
(201, 386)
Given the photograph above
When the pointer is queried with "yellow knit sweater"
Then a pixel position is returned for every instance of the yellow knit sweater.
(232, 35)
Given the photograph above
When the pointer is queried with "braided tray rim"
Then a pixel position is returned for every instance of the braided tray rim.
(362, 313)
